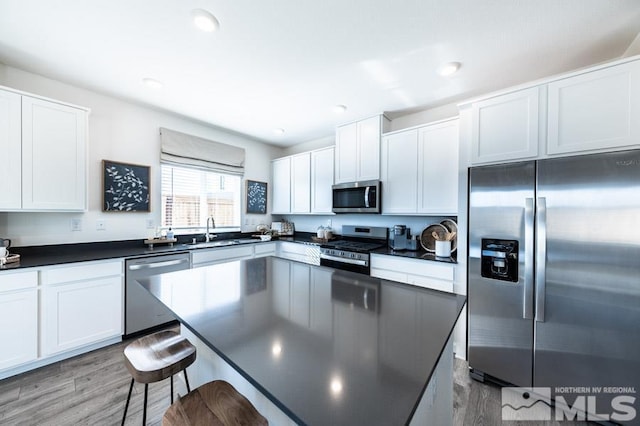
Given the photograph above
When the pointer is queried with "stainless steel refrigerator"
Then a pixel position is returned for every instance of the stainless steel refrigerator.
(554, 272)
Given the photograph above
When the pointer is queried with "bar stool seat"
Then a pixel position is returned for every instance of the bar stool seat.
(154, 358)
(214, 403)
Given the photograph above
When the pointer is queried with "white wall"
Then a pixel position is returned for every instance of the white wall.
(311, 145)
(122, 131)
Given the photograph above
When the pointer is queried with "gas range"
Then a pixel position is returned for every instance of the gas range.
(352, 251)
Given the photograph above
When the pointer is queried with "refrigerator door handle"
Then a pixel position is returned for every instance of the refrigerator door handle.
(541, 256)
(527, 291)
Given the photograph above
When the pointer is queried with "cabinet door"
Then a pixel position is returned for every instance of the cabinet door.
(596, 110)
(346, 153)
(301, 183)
(438, 169)
(400, 172)
(80, 313)
(19, 330)
(10, 149)
(368, 150)
(53, 156)
(506, 127)
(281, 193)
(322, 180)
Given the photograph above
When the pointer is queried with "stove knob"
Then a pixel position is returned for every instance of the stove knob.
(353, 255)
(342, 253)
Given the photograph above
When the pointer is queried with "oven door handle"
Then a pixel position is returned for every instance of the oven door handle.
(344, 260)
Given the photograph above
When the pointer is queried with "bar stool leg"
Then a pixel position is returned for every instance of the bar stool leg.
(126, 406)
(144, 412)
(186, 379)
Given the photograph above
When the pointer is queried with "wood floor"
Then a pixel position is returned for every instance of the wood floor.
(91, 389)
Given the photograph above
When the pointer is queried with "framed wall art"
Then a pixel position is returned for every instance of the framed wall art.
(126, 187)
(256, 197)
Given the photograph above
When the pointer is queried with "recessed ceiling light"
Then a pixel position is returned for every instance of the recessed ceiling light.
(152, 83)
(204, 20)
(449, 68)
(278, 131)
(339, 109)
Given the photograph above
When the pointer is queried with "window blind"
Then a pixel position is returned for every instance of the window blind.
(182, 149)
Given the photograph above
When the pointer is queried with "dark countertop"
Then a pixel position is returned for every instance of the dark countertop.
(36, 256)
(383, 356)
(46, 255)
(418, 254)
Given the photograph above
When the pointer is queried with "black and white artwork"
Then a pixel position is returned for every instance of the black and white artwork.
(126, 187)
(256, 197)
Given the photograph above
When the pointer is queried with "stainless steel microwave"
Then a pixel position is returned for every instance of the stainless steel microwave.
(357, 197)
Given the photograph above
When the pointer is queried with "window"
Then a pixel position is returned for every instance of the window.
(190, 196)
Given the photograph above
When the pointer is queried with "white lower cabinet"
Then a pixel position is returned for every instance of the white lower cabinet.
(421, 273)
(265, 249)
(307, 253)
(81, 305)
(19, 318)
(212, 256)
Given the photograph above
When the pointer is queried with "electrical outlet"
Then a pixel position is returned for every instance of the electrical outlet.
(101, 225)
(150, 224)
(76, 224)
(329, 223)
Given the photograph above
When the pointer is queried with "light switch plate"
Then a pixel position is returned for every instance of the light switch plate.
(76, 224)
(150, 224)
(101, 225)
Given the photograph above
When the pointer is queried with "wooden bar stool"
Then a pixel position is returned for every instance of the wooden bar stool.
(214, 403)
(154, 358)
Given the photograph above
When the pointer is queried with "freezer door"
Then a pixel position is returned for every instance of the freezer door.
(588, 316)
(501, 308)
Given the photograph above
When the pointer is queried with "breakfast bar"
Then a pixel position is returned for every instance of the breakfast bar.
(313, 345)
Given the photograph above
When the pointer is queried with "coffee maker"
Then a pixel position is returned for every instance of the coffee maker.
(399, 237)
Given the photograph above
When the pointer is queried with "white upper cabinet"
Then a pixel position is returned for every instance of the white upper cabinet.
(43, 145)
(301, 183)
(419, 170)
(53, 156)
(281, 178)
(10, 147)
(322, 180)
(357, 155)
(506, 127)
(438, 168)
(399, 172)
(595, 110)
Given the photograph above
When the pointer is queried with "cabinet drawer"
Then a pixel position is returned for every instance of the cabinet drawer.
(263, 249)
(82, 271)
(385, 274)
(18, 280)
(220, 254)
(425, 268)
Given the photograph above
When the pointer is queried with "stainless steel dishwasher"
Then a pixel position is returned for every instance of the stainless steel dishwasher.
(142, 310)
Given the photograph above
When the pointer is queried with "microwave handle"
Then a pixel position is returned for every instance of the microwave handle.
(366, 196)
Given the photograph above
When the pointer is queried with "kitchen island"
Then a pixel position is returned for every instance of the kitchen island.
(313, 345)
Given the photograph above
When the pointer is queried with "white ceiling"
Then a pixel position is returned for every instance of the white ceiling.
(286, 63)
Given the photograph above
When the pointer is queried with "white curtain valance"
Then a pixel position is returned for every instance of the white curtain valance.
(188, 150)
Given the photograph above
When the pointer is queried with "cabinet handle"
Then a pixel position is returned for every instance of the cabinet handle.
(157, 264)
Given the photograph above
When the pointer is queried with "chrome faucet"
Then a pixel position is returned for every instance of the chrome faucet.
(208, 236)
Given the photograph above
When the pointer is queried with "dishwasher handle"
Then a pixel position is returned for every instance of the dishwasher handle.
(140, 266)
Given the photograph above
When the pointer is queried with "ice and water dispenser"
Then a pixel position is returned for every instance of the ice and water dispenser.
(499, 259)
